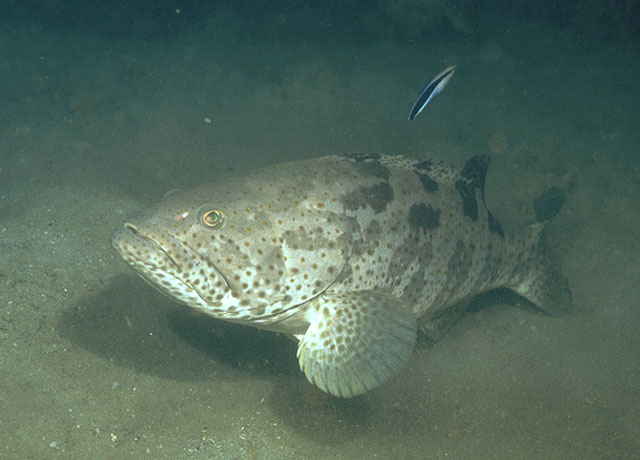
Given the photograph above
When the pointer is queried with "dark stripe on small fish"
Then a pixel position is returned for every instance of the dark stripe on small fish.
(433, 87)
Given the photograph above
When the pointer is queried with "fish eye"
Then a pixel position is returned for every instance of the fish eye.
(212, 218)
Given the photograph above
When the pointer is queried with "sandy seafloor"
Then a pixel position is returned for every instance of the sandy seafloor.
(95, 364)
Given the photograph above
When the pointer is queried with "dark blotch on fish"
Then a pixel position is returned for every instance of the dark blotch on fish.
(376, 197)
(429, 184)
(473, 175)
(424, 216)
(422, 170)
(475, 170)
(425, 164)
(369, 165)
(468, 194)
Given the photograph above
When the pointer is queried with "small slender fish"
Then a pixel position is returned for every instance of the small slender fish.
(434, 87)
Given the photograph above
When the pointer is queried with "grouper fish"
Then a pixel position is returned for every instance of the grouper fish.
(349, 255)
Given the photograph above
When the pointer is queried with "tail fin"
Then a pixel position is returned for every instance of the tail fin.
(544, 284)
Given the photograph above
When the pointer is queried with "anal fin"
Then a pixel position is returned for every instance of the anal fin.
(356, 341)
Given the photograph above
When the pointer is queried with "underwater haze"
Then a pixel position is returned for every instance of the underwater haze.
(108, 106)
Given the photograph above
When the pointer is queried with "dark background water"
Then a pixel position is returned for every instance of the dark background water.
(329, 20)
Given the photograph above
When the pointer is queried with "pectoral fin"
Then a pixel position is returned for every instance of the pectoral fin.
(356, 341)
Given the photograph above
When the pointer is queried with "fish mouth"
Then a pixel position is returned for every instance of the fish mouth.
(138, 234)
(150, 254)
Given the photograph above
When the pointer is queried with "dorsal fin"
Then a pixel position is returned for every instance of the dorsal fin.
(472, 174)
(475, 171)
(434, 169)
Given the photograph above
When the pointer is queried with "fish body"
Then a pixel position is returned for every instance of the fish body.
(349, 255)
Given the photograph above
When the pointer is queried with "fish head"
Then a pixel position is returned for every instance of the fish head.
(244, 251)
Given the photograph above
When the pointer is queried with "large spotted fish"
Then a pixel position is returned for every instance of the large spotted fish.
(349, 255)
